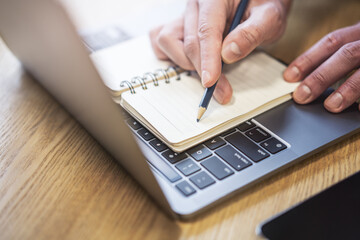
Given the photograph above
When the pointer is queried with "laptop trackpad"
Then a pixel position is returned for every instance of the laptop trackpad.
(308, 127)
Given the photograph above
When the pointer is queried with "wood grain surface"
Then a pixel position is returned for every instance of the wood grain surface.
(57, 182)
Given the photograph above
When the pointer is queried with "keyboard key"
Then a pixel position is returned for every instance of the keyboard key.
(186, 188)
(215, 143)
(246, 126)
(202, 180)
(217, 168)
(173, 157)
(145, 134)
(228, 132)
(257, 134)
(246, 146)
(133, 124)
(158, 145)
(273, 145)
(199, 152)
(187, 167)
(233, 157)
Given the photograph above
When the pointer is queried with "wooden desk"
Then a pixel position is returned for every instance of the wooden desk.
(57, 182)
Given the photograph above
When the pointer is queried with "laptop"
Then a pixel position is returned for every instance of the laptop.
(41, 35)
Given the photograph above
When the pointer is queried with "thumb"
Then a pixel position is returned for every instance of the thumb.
(265, 23)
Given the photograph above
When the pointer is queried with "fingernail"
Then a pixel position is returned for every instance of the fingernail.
(334, 101)
(292, 74)
(205, 77)
(302, 93)
(231, 52)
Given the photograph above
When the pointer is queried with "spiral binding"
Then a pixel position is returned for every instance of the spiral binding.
(153, 78)
(159, 74)
(132, 90)
(140, 80)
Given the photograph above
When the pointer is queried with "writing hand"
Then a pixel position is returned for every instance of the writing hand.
(195, 41)
(329, 60)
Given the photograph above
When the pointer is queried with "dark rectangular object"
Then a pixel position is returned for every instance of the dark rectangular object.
(217, 168)
(202, 180)
(332, 214)
(233, 157)
(245, 145)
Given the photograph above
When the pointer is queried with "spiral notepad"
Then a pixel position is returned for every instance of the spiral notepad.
(165, 99)
(172, 72)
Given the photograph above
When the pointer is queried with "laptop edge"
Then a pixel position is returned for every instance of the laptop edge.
(67, 72)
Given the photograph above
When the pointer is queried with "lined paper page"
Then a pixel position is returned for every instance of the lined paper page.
(172, 108)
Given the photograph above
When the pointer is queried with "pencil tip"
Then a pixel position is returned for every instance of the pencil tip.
(200, 113)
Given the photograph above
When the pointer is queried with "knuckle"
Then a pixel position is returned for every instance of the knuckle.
(276, 13)
(190, 45)
(351, 52)
(305, 61)
(353, 85)
(162, 38)
(320, 79)
(333, 41)
(206, 31)
(252, 36)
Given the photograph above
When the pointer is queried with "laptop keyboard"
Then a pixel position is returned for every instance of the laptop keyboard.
(218, 158)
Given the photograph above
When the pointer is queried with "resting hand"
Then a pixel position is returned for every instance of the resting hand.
(329, 60)
(195, 41)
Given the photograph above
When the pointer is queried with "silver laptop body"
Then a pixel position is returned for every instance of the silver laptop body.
(41, 35)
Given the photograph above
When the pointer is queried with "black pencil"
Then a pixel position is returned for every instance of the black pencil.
(209, 91)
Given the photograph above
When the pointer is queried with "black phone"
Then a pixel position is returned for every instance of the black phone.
(331, 214)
